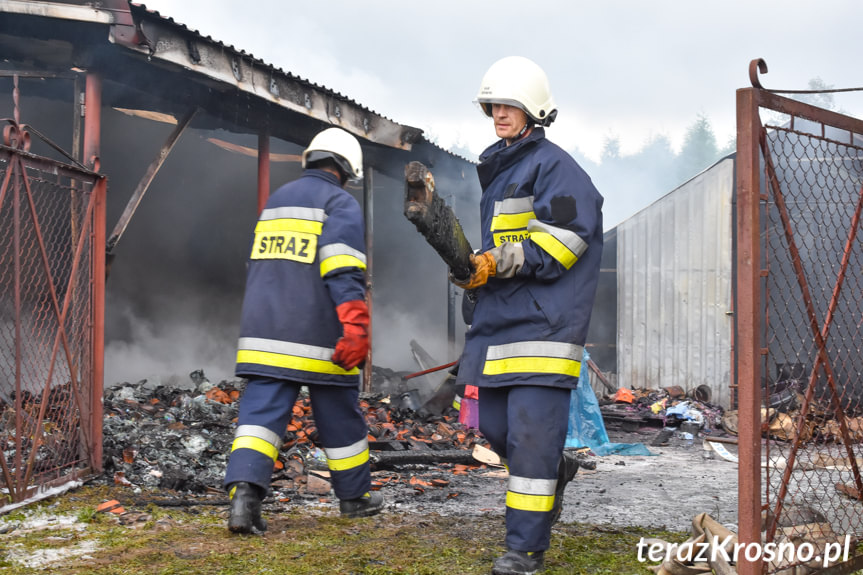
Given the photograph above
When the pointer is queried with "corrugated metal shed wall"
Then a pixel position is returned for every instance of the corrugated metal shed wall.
(675, 288)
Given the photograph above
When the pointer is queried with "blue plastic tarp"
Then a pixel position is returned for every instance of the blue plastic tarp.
(586, 427)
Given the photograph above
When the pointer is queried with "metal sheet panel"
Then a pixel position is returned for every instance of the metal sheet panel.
(674, 288)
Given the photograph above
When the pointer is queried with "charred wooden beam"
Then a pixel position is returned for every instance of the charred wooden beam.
(147, 179)
(435, 220)
(390, 459)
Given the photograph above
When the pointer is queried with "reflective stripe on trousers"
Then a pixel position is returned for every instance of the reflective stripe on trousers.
(529, 494)
(265, 411)
(526, 426)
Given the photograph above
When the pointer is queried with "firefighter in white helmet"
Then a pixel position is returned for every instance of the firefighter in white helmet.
(305, 323)
(534, 279)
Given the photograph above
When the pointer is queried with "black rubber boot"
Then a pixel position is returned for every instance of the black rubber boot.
(369, 504)
(519, 563)
(246, 508)
(566, 471)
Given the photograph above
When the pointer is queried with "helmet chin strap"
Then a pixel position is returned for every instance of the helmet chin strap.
(521, 134)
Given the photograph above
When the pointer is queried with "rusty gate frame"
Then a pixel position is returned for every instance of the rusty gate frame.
(754, 165)
(87, 393)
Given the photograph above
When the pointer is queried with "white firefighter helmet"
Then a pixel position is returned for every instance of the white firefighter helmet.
(339, 145)
(518, 81)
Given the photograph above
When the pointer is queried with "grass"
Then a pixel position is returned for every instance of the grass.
(194, 541)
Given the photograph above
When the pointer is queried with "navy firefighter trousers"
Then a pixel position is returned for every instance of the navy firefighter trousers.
(526, 426)
(265, 411)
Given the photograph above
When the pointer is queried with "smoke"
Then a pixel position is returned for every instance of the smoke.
(168, 349)
(395, 352)
(176, 285)
(176, 281)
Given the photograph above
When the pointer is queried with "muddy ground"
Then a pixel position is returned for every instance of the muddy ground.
(664, 491)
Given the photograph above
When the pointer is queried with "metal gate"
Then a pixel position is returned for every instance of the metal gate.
(799, 312)
(51, 313)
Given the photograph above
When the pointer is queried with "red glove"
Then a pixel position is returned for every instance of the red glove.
(353, 347)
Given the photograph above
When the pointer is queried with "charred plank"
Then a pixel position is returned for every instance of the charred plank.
(391, 459)
(435, 220)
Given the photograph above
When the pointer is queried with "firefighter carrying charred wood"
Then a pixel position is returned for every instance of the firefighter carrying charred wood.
(305, 323)
(535, 278)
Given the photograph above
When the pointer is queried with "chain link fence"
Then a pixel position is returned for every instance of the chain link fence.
(807, 427)
(49, 398)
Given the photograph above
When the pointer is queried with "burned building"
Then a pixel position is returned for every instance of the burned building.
(189, 135)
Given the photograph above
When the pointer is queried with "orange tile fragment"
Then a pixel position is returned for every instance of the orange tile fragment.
(112, 506)
(217, 395)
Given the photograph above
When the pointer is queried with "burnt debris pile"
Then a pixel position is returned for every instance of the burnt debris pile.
(178, 437)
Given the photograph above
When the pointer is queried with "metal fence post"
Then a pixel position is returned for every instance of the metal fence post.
(747, 313)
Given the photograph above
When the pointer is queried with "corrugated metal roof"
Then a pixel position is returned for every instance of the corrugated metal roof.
(157, 14)
(229, 71)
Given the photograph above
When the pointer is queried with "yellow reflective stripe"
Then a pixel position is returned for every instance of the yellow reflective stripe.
(292, 362)
(341, 261)
(529, 494)
(289, 225)
(255, 444)
(555, 248)
(347, 462)
(456, 402)
(516, 221)
(532, 365)
(543, 503)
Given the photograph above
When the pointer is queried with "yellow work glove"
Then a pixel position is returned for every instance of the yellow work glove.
(484, 267)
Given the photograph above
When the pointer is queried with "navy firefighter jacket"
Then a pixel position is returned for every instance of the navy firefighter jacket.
(530, 329)
(307, 257)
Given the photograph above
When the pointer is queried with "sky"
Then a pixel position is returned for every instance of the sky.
(630, 69)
